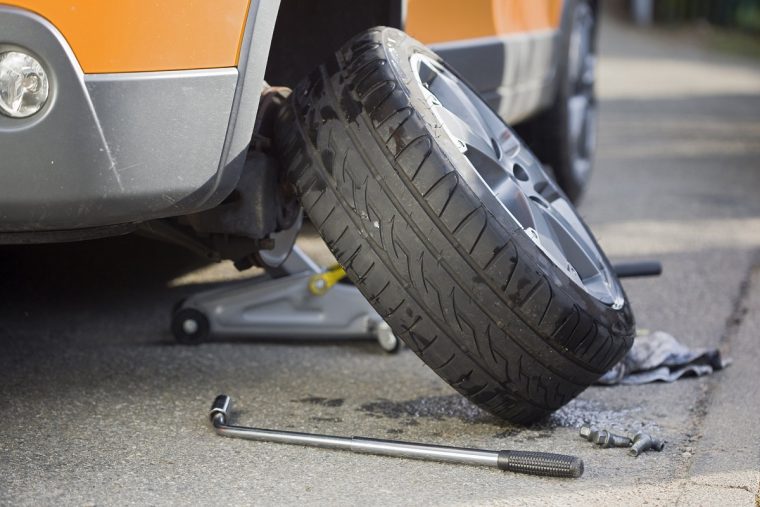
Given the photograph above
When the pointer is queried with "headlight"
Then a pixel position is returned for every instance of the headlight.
(23, 84)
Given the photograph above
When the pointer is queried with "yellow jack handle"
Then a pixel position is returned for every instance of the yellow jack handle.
(320, 283)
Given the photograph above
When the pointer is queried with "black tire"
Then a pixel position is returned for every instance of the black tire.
(472, 297)
(547, 134)
(202, 327)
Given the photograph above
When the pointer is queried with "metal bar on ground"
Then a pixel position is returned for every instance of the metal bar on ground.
(527, 462)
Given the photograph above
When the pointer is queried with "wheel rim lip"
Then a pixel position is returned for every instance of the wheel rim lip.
(581, 101)
(595, 277)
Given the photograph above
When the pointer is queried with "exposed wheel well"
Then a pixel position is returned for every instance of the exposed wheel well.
(308, 31)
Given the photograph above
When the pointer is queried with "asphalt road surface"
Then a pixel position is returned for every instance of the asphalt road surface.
(100, 407)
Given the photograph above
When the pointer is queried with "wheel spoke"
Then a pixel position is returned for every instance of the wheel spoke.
(577, 111)
(470, 137)
(515, 179)
(588, 76)
(550, 241)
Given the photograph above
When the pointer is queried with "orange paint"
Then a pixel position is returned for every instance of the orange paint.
(432, 21)
(147, 35)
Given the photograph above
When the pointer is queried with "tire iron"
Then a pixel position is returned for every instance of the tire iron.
(526, 462)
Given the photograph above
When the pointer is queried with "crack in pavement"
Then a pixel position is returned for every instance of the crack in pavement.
(734, 321)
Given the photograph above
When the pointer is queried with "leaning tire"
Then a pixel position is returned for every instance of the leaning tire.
(428, 242)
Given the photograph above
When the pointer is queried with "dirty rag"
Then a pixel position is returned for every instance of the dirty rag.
(658, 356)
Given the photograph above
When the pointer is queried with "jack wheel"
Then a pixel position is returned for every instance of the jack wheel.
(190, 326)
(386, 339)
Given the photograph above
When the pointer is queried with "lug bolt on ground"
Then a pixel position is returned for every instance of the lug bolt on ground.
(604, 438)
(641, 442)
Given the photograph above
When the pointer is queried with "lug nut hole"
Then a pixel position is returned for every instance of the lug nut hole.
(520, 173)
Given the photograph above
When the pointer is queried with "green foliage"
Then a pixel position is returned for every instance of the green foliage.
(743, 14)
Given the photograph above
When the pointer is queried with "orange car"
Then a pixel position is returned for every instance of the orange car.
(176, 118)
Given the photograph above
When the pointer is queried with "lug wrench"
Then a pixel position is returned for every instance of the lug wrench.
(527, 462)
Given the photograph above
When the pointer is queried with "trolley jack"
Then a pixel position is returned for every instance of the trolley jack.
(296, 300)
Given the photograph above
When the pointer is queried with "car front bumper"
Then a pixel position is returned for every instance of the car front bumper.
(125, 147)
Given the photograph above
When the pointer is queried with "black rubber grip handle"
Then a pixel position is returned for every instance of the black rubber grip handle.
(637, 269)
(541, 463)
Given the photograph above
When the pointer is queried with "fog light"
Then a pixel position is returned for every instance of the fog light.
(23, 85)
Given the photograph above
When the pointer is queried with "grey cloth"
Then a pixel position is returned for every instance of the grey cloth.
(660, 357)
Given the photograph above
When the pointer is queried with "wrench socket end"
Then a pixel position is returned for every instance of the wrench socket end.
(221, 406)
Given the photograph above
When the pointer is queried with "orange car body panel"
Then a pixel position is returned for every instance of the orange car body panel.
(435, 21)
(146, 35)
